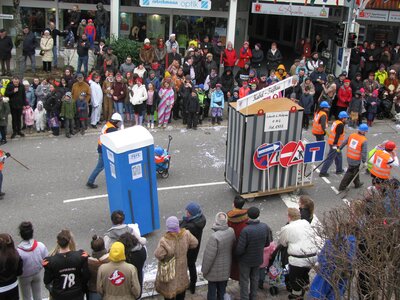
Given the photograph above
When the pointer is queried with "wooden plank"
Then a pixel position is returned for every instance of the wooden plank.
(275, 191)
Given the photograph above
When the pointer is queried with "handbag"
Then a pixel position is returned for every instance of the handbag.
(41, 52)
(166, 269)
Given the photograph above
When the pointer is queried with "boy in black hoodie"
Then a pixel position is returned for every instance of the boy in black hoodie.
(192, 110)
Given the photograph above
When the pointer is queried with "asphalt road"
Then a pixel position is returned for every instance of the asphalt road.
(60, 167)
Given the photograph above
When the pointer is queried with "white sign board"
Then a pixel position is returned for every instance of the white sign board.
(177, 4)
(137, 171)
(394, 16)
(374, 15)
(135, 157)
(276, 121)
(6, 17)
(290, 10)
(317, 2)
(265, 93)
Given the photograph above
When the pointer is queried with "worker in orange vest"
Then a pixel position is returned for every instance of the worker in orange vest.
(335, 140)
(356, 153)
(383, 161)
(3, 156)
(320, 121)
(112, 125)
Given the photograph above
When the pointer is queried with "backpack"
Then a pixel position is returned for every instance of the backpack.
(69, 40)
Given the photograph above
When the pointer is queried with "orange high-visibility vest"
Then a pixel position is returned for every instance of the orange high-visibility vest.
(107, 126)
(380, 166)
(1, 163)
(332, 134)
(354, 146)
(316, 126)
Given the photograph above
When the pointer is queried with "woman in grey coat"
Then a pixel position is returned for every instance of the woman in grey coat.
(217, 257)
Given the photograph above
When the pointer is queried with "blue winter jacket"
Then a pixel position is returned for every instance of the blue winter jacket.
(217, 99)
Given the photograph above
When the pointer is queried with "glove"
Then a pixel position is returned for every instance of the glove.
(335, 148)
(7, 154)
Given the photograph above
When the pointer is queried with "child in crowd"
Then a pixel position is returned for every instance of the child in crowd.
(372, 107)
(90, 31)
(253, 88)
(192, 110)
(68, 112)
(151, 104)
(40, 117)
(81, 28)
(4, 112)
(82, 110)
(29, 94)
(355, 108)
(244, 90)
(29, 120)
(127, 104)
(307, 102)
(202, 96)
(167, 98)
(235, 96)
(217, 104)
(266, 262)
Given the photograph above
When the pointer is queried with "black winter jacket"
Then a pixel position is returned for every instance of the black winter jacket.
(273, 60)
(195, 226)
(252, 240)
(17, 99)
(6, 46)
(228, 82)
(29, 44)
(192, 104)
(83, 48)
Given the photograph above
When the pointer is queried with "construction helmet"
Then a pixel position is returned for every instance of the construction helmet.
(324, 104)
(116, 117)
(343, 115)
(390, 146)
(363, 127)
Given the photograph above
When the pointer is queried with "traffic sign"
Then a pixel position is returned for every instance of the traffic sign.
(298, 154)
(260, 162)
(314, 152)
(287, 153)
(274, 159)
(267, 149)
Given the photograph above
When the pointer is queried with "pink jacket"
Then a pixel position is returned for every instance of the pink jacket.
(28, 115)
(267, 254)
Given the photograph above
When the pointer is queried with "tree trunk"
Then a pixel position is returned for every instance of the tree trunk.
(18, 39)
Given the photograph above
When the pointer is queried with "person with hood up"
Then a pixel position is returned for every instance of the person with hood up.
(194, 222)
(217, 104)
(39, 116)
(32, 253)
(118, 229)
(356, 83)
(160, 52)
(217, 257)
(117, 279)
(262, 83)
(281, 72)
(96, 93)
(381, 74)
(245, 55)
(227, 80)
(258, 57)
(175, 243)
(355, 109)
(146, 53)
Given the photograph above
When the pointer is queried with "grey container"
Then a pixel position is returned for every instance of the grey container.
(245, 134)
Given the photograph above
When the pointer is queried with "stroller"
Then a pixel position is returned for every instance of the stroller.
(162, 159)
(277, 270)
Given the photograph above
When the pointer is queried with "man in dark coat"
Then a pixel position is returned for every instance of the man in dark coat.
(194, 221)
(102, 20)
(371, 56)
(28, 48)
(54, 32)
(250, 251)
(16, 92)
(83, 54)
(6, 46)
(74, 19)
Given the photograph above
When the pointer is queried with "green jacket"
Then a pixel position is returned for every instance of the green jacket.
(4, 112)
(68, 109)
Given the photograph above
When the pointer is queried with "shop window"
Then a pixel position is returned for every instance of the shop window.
(35, 18)
(288, 28)
(220, 5)
(260, 24)
(273, 29)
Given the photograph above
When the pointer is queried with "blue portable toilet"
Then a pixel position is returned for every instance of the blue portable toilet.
(131, 176)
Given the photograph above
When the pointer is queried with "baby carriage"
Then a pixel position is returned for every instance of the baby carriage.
(162, 159)
(277, 271)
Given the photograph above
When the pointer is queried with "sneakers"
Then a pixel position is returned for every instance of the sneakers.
(2, 195)
(152, 125)
(159, 125)
(13, 135)
(91, 185)
(165, 125)
(323, 174)
(68, 135)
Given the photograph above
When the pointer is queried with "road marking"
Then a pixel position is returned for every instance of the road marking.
(168, 188)
(326, 180)
(335, 190)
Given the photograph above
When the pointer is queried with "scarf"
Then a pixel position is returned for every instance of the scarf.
(147, 47)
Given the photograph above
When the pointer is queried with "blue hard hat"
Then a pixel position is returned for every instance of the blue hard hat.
(343, 115)
(363, 127)
(324, 104)
(159, 151)
(201, 86)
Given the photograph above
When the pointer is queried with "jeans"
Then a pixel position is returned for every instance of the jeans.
(119, 108)
(69, 125)
(333, 155)
(33, 62)
(248, 275)
(3, 133)
(101, 32)
(85, 61)
(5, 66)
(30, 286)
(99, 167)
(55, 56)
(216, 290)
